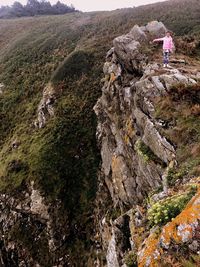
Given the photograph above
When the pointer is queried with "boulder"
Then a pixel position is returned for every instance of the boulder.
(128, 52)
(138, 34)
(128, 48)
(156, 29)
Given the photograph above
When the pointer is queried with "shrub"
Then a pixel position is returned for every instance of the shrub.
(187, 93)
(193, 261)
(164, 211)
(145, 152)
(174, 175)
(131, 259)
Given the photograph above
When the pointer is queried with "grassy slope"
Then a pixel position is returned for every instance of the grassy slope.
(180, 110)
(32, 52)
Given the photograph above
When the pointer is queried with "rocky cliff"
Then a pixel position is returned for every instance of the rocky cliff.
(147, 201)
(142, 217)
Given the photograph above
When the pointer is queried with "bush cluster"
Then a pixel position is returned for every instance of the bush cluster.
(145, 152)
(164, 211)
(131, 259)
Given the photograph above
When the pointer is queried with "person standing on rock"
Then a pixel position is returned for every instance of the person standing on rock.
(167, 47)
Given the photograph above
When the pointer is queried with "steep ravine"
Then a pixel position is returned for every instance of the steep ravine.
(136, 155)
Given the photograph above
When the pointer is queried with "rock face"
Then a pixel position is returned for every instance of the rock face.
(27, 218)
(135, 154)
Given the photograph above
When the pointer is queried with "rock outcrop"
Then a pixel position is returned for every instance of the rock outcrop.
(183, 230)
(45, 108)
(135, 154)
(31, 227)
(1, 88)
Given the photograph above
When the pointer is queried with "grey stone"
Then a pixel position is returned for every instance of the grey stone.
(128, 51)
(156, 29)
(1, 88)
(194, 246)
(138, 34)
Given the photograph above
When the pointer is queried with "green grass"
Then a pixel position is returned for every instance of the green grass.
(75, 65)
(146, 153)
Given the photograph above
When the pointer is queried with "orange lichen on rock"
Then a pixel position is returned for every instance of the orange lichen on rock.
(151, 254)
(118, 170)
(129, 128)
(137, 235)
(129, 131)
(182, 227)
(112, 77)
(180, 230)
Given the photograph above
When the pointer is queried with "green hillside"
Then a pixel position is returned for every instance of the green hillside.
(68, 51)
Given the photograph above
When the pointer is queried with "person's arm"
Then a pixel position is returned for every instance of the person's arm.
(158, 40)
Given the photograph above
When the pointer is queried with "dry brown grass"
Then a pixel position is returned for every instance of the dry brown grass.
(187, 45)
(195, 150)
(180, 111)
(195, 110)
(186, 93)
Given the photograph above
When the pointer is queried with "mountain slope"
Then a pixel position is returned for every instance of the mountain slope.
(50, 76)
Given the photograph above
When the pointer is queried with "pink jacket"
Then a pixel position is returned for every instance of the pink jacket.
(167, 42)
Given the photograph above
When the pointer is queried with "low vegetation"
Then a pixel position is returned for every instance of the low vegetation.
(180, 112)
(131, 259)
(145, 152)
(193, 261)
(164, 211)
